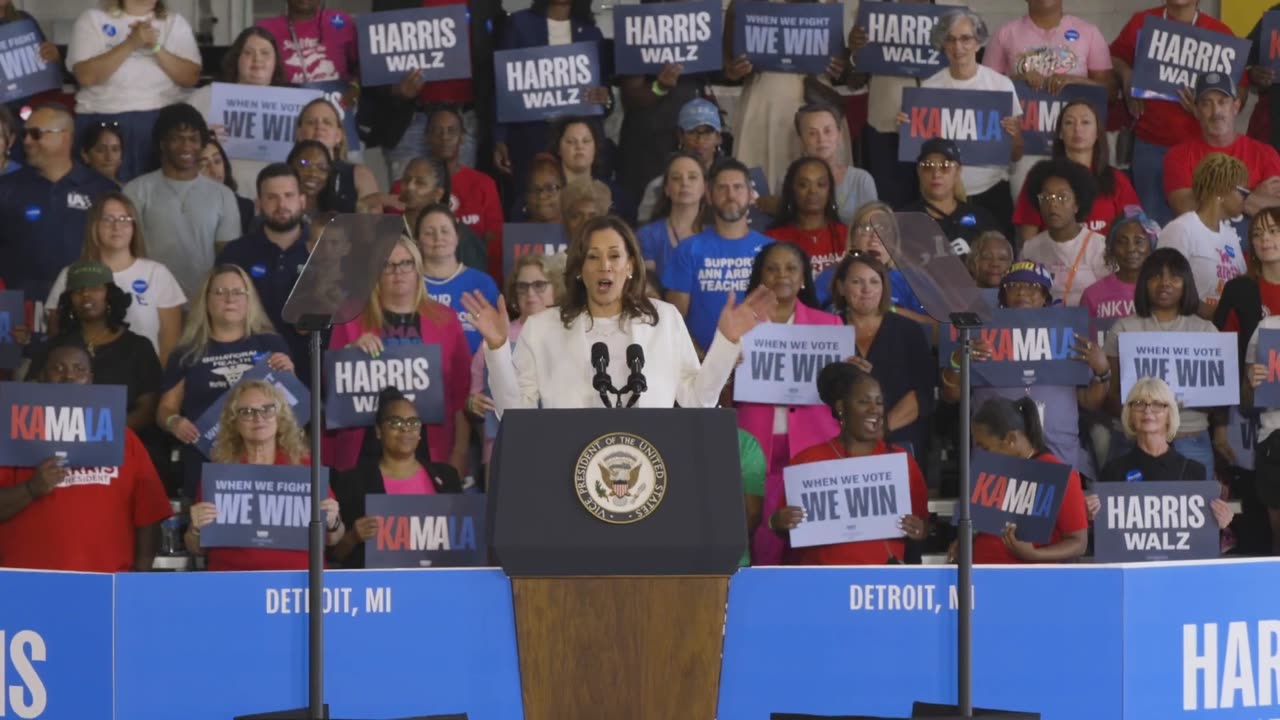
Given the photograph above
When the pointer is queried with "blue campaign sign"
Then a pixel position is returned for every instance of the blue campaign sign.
(789, 37)
(529, 239)
(898, 39)
(56, 645)
(427, 531)
(12, 315)
(1267, 394)
(1153, 519)
(333, 90)
(1171, 55)
(85, 423)
(22, 72)
(433, 40)
(287, 383)
(1027, 493)
(259, 506)
(1040, 111)
(259, 120)
(1028, 347)
(353, 380)
(1269, 41)
(461, 621)
(855, 629)
(969, 117)
(757, 218)
(647, 37)
(540, 83)
(1200, 367)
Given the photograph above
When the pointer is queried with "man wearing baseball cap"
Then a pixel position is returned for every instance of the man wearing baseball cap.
(698, 130)
(942, 196)
(1217, 104)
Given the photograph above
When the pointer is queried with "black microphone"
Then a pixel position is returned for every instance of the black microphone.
(636, 383)
(601, 382)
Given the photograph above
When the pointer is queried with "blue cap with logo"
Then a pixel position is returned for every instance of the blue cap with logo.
(697, 113)
(1211, 81)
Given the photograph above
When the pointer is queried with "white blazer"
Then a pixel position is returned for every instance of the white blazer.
(551, 365)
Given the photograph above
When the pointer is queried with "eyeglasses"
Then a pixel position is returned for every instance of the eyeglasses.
(544, 189)
(395, 268)
(928, 165)
(868, 228)
(313, 165)
(233, 293)
(1051, 198)
(117, 219)
(537, 286)
(959, 40)
(1152, 405)
(266, 412)
(108, 124)
(403, 424)
(36, 133)
(1022, 287)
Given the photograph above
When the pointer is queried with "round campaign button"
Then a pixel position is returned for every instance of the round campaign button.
(258, 271)
(1073, 34)
(140, 286)
(109, 30)
(969, 220)
(32, 213)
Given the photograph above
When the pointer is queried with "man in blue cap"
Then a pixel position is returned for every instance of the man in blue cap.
(698, 129)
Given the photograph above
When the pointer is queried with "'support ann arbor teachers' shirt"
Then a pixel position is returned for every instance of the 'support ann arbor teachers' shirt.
(708, 267)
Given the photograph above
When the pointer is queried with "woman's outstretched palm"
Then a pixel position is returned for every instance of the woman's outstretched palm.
(491, 322)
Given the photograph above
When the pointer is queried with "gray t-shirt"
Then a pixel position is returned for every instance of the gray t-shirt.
(1192, 421)
(1059, 415)
(183, 220)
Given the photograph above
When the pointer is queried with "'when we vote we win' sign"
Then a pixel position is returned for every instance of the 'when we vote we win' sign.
(849, 500)
(1200, 367)
(781, 362)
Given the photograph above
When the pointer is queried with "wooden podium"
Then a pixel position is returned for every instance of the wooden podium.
(619, 600)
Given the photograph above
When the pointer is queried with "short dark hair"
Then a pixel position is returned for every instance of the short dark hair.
(93, 133)
(806, 294)
(561, 125)
(444, 108)
(175, 117)
(1002, 416)
(1083, 185)
(440, 170)
(836, 381)
(275, 170)
(788, 210)
(1157, 262)
(726, 164)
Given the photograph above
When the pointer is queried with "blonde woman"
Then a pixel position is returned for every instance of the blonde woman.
(400, 313)
(113, 237)
(227, 333)
(353, 185)
(258, 428)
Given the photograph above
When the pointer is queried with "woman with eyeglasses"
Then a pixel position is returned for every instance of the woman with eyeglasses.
(542, 195)
(1166, 301)
(314, 165)
(943, 197)
(1074, 254)
(1205, 236)
(114, 238)
(257, 427)
(681, 211)
(226, 334)
(398, 465)
(131, 58)
(400, 312)
(1080, 137)
(102, 148)
(352, 186)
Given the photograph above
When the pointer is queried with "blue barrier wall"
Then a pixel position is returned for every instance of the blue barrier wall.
(1099, 642)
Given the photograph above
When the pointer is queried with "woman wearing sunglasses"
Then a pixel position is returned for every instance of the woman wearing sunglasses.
(258, 428)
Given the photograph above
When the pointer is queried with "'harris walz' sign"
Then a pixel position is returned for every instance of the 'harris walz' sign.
(426, 531)
(259, 506)
(539, 83)
(1142, 521)
(789, 37)
(1040, 111)
(22, 72)
(434, 41)
(1028, 347)
(1200, 367)
(971, 118)
(898, 39)
(353, 381)
(86, 423)
(1027, 493)
(1170, 55)
(529, 239)
(648, 36)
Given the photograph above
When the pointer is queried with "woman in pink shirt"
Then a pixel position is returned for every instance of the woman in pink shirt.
(400, 313)
(784, 431)
(1131, 240)
(399, 467)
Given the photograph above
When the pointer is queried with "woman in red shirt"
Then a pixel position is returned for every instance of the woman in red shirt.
(258, 428)
(858, 405)
(807, 217)
(1012, 427)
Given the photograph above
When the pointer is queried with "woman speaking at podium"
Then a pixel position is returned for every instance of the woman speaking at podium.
(605, 307)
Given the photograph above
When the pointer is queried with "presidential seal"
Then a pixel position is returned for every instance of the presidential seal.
(620, 478)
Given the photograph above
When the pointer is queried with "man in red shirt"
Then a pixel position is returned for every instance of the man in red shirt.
(1217, 105)
(1161, 124)
(86, 519)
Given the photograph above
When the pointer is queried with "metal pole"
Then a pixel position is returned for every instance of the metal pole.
(964, 542)
(315, 571)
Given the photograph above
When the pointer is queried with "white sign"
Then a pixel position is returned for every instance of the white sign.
(849, 500)
(259, 120)
(1201, 368)
(780, 363)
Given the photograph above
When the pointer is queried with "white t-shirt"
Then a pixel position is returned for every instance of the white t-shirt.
(977, 179)
(139, 83)
(559, 32)
(1270, 419)
(153, 288)
(1086, 252)
(1215, 255)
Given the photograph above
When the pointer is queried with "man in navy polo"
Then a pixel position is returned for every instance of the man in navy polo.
(275, 253)
(44, 206)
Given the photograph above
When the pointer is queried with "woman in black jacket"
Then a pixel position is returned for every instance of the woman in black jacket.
(400, 467)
